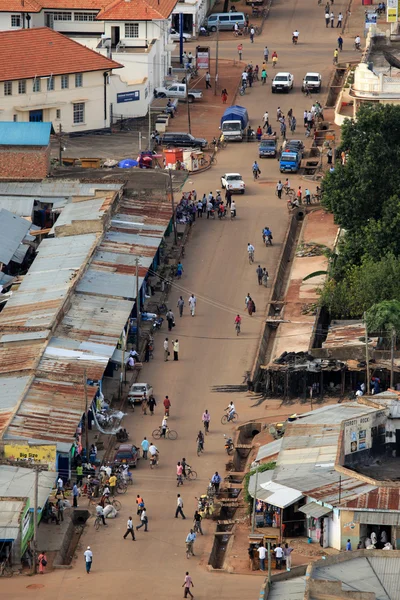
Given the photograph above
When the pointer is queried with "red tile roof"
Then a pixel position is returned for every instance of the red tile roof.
(137, 10)
(42, 52)
(73, 4)
(19, 6)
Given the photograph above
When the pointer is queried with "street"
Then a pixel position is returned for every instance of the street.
(217, 271)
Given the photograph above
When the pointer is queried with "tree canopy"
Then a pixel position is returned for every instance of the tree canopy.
(384, 317)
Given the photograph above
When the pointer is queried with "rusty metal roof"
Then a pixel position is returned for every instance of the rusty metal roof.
(379, 498)
(11, 392)
(342, 490)
(347, 333)
(20, 356)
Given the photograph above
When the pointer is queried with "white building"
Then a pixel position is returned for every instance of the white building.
(132, 32)
(44, 76)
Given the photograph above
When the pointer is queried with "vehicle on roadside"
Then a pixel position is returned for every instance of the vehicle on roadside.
(234, 122)
(290, 162)
(313, 81)
(225, 21)
(183, 140)
(294, 146)
(267, 147)
(233, 182)
(137, 391)
(282, 82)
(126, 454)
(178, 90)
(175, 35)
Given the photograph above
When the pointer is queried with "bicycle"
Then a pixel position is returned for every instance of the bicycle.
(113, 502)
(6, 570)
(171, 434)
(256, 174)
(237, 327)
(200, 448)
(190, 474)
(226, 419)
(288, 191)
(98, 520)
(251, 257)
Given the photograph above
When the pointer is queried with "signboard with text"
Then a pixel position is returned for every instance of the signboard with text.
(41, 454)
(128, 96)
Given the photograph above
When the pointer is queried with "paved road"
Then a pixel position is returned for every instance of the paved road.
(217, 271)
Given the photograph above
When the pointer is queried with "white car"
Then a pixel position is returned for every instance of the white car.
(233, 182)
(313, 81)
(282, 82)
(135, 395)
(175, 35)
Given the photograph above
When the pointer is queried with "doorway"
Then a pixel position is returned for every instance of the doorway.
(115, 36)
(36, 116)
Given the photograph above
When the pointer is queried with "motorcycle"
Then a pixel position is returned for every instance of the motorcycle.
(228, 444)
(157, 323)
(221, 211)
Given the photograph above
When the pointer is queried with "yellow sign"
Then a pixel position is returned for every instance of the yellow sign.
(44, 454)
(391, 15)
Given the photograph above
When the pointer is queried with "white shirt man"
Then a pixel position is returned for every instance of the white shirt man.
(60, 484)
(179, 502)
(153, 450)
(88, 554)
(250, 248)
(265, 118)
(357, 40)
(262, 554)
(192, 304)
(296, 34)
(244, 76)
(236, 27)
(231, 409)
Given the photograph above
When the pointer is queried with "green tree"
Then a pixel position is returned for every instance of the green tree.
(384, 318)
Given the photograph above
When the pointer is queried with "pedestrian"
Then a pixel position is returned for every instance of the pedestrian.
(186, 585)
(259, 272)
(145, 447)
(279, 188)
(79, 475)
(190, 540)
(329, 156)
(307, 195)
(179, 474)
(75, 494)
(166, 350)
(224, 96)
(327, 18)
(88, 554)
(42, 561)
(240, 51)
(143, 520)
(60, 509)
(129, 529)
(206, 421)
(256, 71)
(293, 124)
(60, 487)
(179, 507)
(140, 505)
(265, 277)
(339, 20)
(332, 19)
(251, 307)
(340, 42)
(278, 556)
(305, 118)
(228, 197)
(283, 130)
(192, 304)
(262, 553)
(179, 266)
(208, 80)
(264, 80)
(266, 54)
(287, 552)
(175, 345)
(181, 302)
(112, 482)
(151, 403)
(265, 119)
(216, 480)
(299, 194)
(252, 33)
(167, 406)
(170, 319)
(199, 207)
(348, 546)
(197, 518)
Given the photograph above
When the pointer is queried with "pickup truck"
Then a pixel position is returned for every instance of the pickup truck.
(178, 90)
(289, 162)
(267, 147)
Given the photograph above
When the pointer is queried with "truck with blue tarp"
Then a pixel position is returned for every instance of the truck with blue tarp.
(234, 122)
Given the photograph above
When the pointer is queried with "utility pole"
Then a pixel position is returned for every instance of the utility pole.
(254, 503)
(171, 189)
(269, 562)
(87, 417)
(366, 355)
(60, 146)
(392, 359)
(187, 103)
(216, 61)
(122, 374)
(137, 307)
(35, 512)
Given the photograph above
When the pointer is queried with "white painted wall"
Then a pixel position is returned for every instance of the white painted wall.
(334, 530)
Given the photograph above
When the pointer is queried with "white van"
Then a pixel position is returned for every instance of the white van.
(225, 21)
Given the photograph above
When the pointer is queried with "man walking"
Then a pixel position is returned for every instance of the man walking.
(181, 302)
(170, 319)
(259, 272)
(144, 520)
(216, 480)
(266, 54)
(192, 304)
(208, 80)
(145, 447)
(252, 33)
(166, 350)
(340, 42)
(190, 539)
(88, 554)
(339, 20)
(240, 51)
(129, 529)
(79, 475)
(75, 494)
(112, 484)
(179, 507)
(332, 19)
(279, 188)
(186, 585)
(287, 551)
(176, 349)
(278, 556)
(327, 18)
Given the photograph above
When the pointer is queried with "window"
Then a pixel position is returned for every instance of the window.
(15, 20)
(131, 30)
(58, 113)
(36, 85)
(79, 112)
(8, 88)
(84, 16)
(15, 118)
(62, 16)
(22, 86)
(50, 83)
(64, 82)
(78, 80)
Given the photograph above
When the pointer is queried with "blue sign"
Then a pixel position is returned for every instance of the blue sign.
(128, 97)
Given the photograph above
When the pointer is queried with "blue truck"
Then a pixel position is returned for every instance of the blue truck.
(290, 162)
(234, 122)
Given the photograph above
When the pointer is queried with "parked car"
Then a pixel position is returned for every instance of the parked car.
(313, 81)
(267, 147)
(282, 82)
(182, 139)
(178, 90)
(175, 35)
(233, 182)
(135, 394)
(225, 21)
(290, 162)
(294, 146)
(127, 454)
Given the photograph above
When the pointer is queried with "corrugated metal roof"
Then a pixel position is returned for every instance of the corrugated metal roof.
(21, 356)
(375, 517)
(12, 231)
(376, 498)
(10, 515)
(338, 492)
(20, 253)
(344, 334)
(269, 449)
(312, 509)
(334, 413)
(87, 210)
(55, 188)
(387, 569)
(19, 482)
(22, 207)
(24, 134)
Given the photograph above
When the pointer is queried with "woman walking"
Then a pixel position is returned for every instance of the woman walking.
(251, 307)
(224, 96)
(42, 560)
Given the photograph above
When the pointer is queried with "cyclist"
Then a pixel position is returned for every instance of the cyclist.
(231, 410)
(238, 321)
(295, 36)
(335, 56)
(200, 442)
(357, 42)
(256, 170)
(267, 235)
(153, 455)
(184, 466)
(179, 474)
(250, 250)
(274, 59)
(206, 420)
(164, 426)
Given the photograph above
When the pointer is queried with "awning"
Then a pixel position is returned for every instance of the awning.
(272, 492)
(377, 518)
(117, 356)
(315, 510)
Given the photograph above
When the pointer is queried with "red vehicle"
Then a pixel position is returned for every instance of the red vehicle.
(126, 454)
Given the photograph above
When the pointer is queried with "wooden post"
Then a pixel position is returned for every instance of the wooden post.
(367, 389)
(392, 359)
